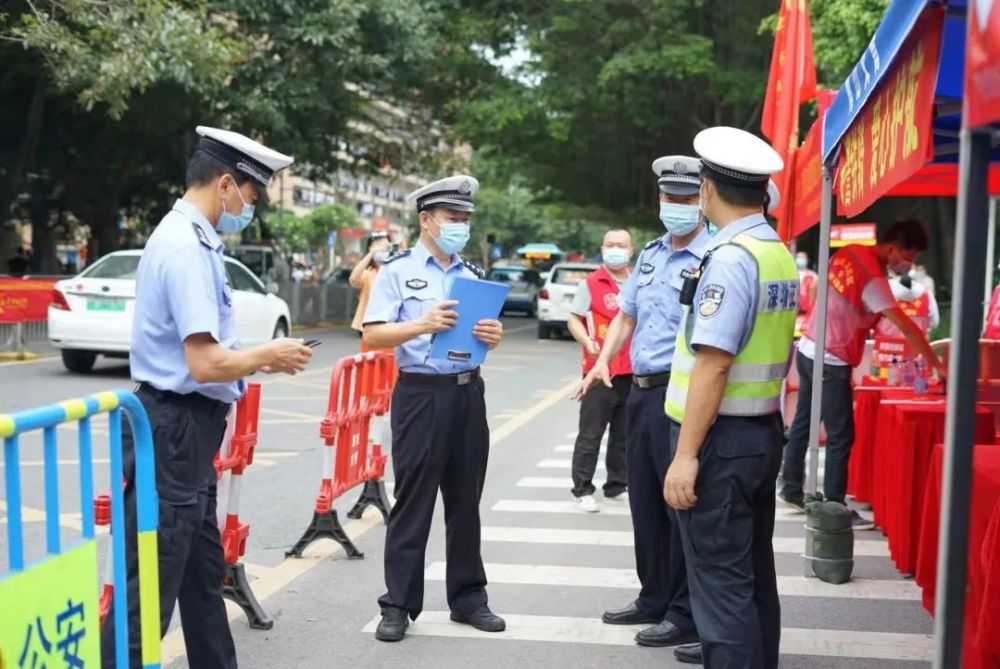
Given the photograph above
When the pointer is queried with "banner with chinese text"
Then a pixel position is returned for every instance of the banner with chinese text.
(48, 613)
(892, 138)
(982, 64)
(25, 299)
(808, 182)
(846, 234)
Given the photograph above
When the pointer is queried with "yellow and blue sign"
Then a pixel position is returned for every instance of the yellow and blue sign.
(48, 610)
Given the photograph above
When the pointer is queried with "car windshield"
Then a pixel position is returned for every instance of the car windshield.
(113, 267)
(509, 275)
(570, 276)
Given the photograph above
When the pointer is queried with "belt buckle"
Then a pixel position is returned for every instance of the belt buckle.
(642, 382)
(464, 378)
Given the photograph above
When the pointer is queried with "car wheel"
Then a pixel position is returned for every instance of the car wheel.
(80, 362)
(544, 331)
(280, 329)
(533, 309)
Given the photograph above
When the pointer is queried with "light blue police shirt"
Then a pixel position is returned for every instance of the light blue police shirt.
(181, 289)
(406, 288)
(731, 282)
(652, 296)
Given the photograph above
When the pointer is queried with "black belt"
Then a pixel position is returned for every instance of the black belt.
(651, 380)
(193, 400)
(463, 379)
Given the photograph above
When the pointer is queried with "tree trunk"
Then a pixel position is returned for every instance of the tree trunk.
(10, 186)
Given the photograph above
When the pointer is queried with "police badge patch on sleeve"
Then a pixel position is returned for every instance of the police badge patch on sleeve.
(711, 300)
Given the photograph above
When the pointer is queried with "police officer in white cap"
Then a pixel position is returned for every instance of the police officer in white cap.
(650, 312)
(187, 361)
(440, 439)
(731, 357)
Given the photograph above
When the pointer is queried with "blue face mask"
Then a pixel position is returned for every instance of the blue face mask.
(679, 219)
(615, 257)
(453, 237)
(230, 223)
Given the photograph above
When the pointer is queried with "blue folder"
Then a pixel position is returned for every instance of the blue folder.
(477, 300)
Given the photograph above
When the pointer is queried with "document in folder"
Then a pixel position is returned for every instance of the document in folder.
(477, 300)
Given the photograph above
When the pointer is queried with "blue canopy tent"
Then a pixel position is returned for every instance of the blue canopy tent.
(973, 150)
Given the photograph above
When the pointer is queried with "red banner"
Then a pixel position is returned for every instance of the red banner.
(982, 64)
(892, 137)
(807, 188)
(791, 82)
(25, 299)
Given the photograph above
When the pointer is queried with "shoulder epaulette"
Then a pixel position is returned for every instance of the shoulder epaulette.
(474, 268)
(396, 256)
(651, 244)
(202, 237)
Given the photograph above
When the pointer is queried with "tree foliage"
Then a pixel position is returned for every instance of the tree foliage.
(309, 232)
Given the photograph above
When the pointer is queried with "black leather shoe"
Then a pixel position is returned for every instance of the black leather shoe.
(630, 615)
(689, 654)
(482, 619)
(393, 625)
(664, 634)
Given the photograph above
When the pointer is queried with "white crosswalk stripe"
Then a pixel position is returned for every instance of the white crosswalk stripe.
(545, 535)
(557, 506)
(557, 629)
(626, 579)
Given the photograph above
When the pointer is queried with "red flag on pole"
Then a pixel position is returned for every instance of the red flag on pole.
(792, 82)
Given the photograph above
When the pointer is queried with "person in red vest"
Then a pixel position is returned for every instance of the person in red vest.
(594, 307)
(992, 329)
(858, 298)
(916, 301)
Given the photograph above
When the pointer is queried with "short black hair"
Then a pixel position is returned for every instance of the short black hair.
(908, 235)
(203, 169)
(738, 196)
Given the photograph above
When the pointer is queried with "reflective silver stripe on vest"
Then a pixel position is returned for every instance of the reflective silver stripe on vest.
(749, 406)
(738, 373)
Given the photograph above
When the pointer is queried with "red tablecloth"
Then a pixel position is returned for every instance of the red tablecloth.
(985, 496)
(861, 467)
(908, 431)
(988, 634)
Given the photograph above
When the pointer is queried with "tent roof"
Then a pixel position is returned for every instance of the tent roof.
(876, 64)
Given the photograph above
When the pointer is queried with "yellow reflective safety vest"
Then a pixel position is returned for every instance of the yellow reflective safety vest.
(754, 384)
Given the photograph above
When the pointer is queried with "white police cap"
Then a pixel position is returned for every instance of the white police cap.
(453, 193)
(736, 157)
(678, 175)
(243, 154)
(774, 196)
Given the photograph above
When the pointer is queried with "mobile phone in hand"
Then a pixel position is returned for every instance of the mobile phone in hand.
(312, 343)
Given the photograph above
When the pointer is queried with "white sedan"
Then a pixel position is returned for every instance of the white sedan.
(91, 314)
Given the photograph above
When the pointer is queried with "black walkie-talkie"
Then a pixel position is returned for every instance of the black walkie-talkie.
(691, 279)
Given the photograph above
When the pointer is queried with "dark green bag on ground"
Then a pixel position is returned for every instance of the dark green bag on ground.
(832, 534)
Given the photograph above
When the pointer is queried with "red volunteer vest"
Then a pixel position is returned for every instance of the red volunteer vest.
(603, 309)
(848, 322)
(919, 311)
(992, 330)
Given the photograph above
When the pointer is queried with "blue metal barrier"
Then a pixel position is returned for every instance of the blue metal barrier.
(80, 410)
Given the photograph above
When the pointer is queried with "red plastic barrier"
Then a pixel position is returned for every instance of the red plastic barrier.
(360, 388)
(238, 456)
(360, 392)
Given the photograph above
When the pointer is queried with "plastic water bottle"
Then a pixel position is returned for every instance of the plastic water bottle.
(893, 379)
(908, 373)
(920, 383)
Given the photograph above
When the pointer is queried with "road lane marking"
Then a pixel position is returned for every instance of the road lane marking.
(296, 398)
(626, 579)
(544, 535)
(794, 641)
(284, 574)
(559, 506)
(292, 414)
(70, 521)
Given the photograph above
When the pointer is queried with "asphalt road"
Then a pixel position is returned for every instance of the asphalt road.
(552, 570)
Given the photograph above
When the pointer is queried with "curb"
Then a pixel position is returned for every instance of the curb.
(10, 356)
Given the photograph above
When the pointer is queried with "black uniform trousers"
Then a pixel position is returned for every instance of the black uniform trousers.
(837, 412)
(600, 408)
(187, 431)
(440, 440)
(727, 543)
(659, 558)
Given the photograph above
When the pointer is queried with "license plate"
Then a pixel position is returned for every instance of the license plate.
(105, 305)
